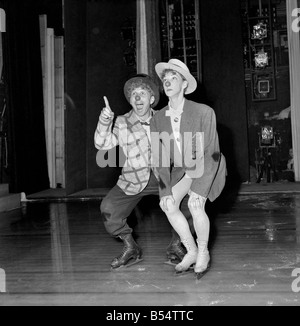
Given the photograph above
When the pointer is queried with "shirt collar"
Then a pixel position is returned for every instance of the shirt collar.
(177, 112)
(146, 121)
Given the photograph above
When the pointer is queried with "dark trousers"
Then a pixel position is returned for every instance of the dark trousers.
(116, 206)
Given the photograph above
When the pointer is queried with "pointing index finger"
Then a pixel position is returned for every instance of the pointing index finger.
(106, 101)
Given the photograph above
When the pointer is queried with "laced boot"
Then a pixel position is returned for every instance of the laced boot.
(190, 257)
(203, 259)
(131, 251)
(175, 251)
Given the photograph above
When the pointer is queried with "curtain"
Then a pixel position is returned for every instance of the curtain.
(27, 160)
(148, 37)
(294, 57)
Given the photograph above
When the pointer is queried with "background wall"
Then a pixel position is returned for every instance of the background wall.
(223, 84)
(271, 113)
(223, 80)
(75, 95)
(106, 74)
(27, 161)
(274, 110)
(95, 66)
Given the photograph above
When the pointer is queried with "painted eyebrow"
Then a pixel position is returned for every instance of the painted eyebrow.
(171, 76)
(143, 91)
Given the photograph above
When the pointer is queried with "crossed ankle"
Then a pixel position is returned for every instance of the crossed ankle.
(203, 251)
(202, 245)
(202, 260)
(189, 259)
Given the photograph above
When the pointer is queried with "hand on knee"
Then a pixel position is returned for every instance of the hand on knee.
(168, 204)
(196, 202)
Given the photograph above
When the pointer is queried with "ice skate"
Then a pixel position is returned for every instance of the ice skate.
(202, 266)
(203, 261)
(130, 255)
(175, 252)
(189, 259)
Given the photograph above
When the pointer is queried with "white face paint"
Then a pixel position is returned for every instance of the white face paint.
(173, 84)
(141, 101)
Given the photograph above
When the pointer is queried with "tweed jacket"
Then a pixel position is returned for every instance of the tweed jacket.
(129, 134)
(200, 157)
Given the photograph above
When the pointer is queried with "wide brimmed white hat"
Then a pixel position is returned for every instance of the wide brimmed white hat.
(179, 66)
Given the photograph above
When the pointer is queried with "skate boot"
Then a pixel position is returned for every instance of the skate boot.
(203, 260)
(130, 255)
(175, 251)
(189, 259)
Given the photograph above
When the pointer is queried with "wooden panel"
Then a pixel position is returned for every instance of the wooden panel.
(50, 107)
(43, 38)
(59, 112)
(75, 94)
(294, 57)
(1, 54)
(52, 56)
(47, 58)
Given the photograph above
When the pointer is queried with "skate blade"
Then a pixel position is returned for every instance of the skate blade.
(186, 272)
(172, 262)
(124, 267)
(201, 274)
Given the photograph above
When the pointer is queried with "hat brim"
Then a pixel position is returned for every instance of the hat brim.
(145, 80)
(192, 83)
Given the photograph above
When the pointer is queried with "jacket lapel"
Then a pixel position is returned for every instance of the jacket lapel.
(166, 122)
(186, 126)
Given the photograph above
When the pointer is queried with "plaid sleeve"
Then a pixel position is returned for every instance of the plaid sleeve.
(106, 135)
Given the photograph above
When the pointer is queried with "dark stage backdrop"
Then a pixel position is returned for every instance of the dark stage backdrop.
(222, 88)
(23, 77)
(108, 27)
(76, 113)
(95, 50)
(223, 80)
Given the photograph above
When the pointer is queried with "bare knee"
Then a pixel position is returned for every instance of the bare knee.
(172, 208)
(200, 207)
(194, 209)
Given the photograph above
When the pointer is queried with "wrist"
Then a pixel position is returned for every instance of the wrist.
(104, 121)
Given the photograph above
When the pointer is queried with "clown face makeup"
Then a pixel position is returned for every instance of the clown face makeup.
(141, 101)
(174, 84)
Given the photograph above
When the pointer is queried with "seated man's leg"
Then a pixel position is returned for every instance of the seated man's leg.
(175, 250)
(115, 208)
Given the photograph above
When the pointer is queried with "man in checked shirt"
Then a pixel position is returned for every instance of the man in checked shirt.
(131, 132)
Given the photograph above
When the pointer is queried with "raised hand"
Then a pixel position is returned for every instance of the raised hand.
(106, 114)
